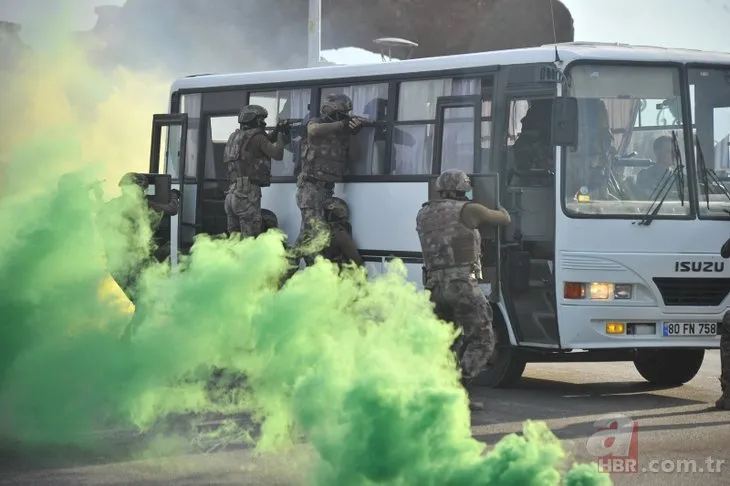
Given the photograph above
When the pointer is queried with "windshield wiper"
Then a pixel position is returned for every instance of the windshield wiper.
(664, 186)
(708, 175)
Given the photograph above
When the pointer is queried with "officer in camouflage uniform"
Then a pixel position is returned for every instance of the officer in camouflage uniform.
(327, 151)
(341, 248)
(724, 401)
(247, 157)
(451, 246)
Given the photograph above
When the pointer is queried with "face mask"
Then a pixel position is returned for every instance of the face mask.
(469, 195)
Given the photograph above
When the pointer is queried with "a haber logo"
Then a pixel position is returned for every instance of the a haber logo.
(615, 444)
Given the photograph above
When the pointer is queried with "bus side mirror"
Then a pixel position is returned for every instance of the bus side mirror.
(565, 122)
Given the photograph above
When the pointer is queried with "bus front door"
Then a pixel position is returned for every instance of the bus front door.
(458, 145)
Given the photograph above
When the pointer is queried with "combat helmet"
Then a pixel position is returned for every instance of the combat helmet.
(336, 209)
(454, 180)
(249, 113)
(268, 220)
(133, 178)
(335, 104)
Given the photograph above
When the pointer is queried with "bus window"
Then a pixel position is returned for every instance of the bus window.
(625, 145)
(292, 104)
(458, 139)
(414, 131)
(368, 148)
(191, 104)
(710, 102)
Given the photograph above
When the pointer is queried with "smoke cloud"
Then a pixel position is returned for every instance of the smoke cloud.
(360, 369)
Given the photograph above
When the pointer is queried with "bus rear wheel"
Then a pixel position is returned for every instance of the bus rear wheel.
(506, 365)
(669, 366)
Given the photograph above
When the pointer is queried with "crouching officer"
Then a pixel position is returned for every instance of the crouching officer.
(451, 244)
(341, 248)
(247, 156)
(723, 402)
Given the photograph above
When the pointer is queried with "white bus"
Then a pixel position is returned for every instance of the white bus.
(597, 265)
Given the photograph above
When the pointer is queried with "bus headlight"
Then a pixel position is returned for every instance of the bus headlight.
(601, 291)
(622, 291)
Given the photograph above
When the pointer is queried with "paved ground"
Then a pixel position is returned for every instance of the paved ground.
(674, 425)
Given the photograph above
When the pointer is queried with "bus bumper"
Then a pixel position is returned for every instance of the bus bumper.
(636, 327)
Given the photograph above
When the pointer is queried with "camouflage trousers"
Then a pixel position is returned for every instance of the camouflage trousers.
(462, 302)
(243, 209)
(724, 401)
(311, 197)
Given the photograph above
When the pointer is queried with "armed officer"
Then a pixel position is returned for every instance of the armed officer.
(451, 246)
(341, 248)
(248, 156)
(723, 402)
(327, 152)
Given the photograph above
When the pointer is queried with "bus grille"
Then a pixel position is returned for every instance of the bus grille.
(708, 292)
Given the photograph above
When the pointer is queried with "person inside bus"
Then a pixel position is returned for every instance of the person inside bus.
(648, 179)
(533, 148)
(451, 244)
(341, 248)
(247, 157)
(325, 161)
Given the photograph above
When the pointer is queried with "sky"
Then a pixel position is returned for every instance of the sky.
(696, 24)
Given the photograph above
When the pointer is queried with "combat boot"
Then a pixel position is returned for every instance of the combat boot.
(723, 403)
(475, 406)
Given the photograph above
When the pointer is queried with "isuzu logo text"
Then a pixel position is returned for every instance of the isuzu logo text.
(699, 266)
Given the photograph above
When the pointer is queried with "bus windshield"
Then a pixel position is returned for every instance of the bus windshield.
(630, 157)
(710, 90)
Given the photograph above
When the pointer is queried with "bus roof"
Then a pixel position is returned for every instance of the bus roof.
(568, 52)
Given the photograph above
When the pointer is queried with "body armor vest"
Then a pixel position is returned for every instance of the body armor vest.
(241, 162)
(445, 241)
(325, 157)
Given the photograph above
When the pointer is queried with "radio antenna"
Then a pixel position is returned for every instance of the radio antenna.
(555, 33)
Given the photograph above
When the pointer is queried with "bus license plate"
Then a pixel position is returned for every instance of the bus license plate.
(690, 329)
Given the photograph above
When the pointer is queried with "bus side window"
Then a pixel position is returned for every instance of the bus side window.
(284, 104)
(367, 150)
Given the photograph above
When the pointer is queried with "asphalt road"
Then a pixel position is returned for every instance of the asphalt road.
(675, 425)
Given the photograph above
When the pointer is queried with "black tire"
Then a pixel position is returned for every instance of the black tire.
(506, 366)
(669, 366)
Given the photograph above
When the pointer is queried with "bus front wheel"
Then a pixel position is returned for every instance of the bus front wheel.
(506, 365)
(669, 366)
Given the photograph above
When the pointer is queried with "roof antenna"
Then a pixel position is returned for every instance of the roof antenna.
(555, 34)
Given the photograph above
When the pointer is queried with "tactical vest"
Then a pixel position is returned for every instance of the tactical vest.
(325, 157)
(446, 242)
(241, 162)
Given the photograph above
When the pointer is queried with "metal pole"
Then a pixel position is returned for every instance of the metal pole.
(315, 32)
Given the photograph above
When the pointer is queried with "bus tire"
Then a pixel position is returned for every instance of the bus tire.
(506, 365)
(669, 366)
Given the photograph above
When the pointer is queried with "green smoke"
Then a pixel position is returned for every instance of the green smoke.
(360, 369)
